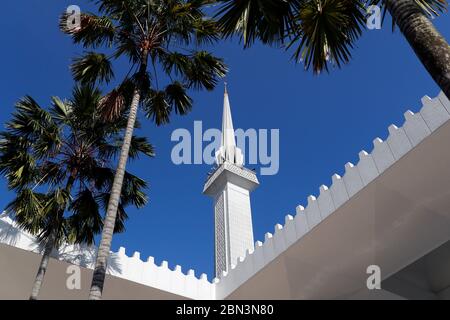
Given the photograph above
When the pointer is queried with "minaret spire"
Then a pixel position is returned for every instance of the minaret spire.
(228, 150)
(230, 185)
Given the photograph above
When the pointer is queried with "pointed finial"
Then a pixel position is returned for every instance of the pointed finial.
(228, 152)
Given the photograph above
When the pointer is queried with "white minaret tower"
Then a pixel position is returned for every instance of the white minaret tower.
(230, 185)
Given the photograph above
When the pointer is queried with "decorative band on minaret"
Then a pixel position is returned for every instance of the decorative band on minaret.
(230, 185)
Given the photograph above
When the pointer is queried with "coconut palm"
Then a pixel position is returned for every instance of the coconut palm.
(58, 161)
(162, 40)
(323, 32)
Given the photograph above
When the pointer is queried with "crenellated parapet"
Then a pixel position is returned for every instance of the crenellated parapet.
(160, 276)
(119, 264)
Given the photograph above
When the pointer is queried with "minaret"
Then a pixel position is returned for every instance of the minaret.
(230, 185)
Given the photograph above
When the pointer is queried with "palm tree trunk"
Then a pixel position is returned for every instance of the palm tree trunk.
(49, 247)
(110, 219)
(429, 45)
(42, 268)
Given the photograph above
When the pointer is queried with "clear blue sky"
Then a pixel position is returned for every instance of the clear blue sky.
(324, 122)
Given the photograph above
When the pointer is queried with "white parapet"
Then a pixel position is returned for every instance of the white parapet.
(338, 190)
(119, 264)
(352, 179)
(415, 127)
(326, 203)
(398, 141)
(312, 212)
(367, 168)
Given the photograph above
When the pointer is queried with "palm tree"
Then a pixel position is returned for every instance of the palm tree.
(324, 31)
(57, 160)
(159, 37)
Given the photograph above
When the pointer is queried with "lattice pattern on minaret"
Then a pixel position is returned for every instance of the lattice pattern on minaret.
(221, 256)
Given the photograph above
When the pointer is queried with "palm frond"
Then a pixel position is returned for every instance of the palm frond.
(205, 70)
(267, 20)
(93, 32)
(86, 220)
(133, 191)
(91, 68)
(17, 162)
(206, 31)
(28, 210)
(178, 98)
(112, 105)
(60, 148)
(156, 107)
(30, 120)
(60, 110)
(140, 145)
(325, 32)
